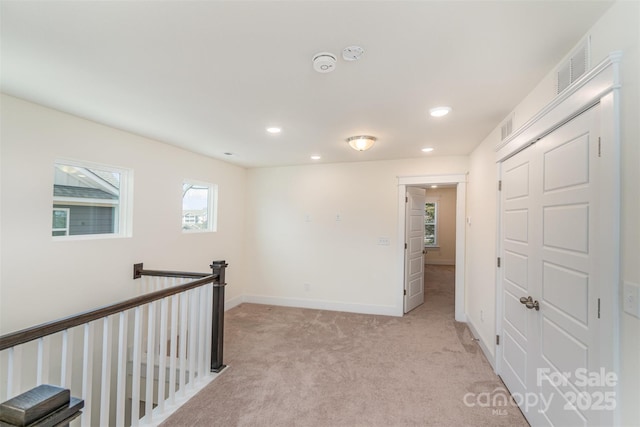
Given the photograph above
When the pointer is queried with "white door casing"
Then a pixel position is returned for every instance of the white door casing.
(414, 244)
(460, 181)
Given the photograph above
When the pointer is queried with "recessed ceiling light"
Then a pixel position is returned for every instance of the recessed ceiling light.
(315, 157)
(427, 149)
(434, 186)
(274, 130)
(439, 111)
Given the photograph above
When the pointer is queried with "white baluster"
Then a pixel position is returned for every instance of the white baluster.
(135, 374)
(42, 371)
(122, 368)
(151, 324)
(202, 327)
(208, 318)
(14, 368)
(173, 352)
(182, 348)
(193, 336)
(87, 373)
(67, 359)
(105, 385)
(162, 356)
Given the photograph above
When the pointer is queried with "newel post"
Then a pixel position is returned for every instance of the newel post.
(217, 329)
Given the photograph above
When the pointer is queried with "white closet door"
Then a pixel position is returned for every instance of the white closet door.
(549, 250)
(518, 327)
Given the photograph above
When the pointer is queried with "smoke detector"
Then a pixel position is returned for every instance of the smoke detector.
(324, 62)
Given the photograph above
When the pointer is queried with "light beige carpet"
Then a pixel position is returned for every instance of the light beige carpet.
(300, 367)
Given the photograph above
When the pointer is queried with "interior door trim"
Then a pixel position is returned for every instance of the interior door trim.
(461, 190)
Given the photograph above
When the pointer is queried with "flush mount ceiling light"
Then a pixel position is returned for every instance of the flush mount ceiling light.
(427, 149)
(274, 129)
(439, 111)
(315, 157)
(361, 142)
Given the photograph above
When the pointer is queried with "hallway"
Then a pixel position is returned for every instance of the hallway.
(300, 367)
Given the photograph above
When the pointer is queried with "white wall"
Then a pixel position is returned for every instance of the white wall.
(618, 29)
(445, 254)
(480, 298)
(42, 279)
(293, 237)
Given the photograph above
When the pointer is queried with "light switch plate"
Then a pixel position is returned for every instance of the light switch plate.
(631, 299)
(384, 241)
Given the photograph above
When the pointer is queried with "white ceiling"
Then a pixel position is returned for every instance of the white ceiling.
(210, 76)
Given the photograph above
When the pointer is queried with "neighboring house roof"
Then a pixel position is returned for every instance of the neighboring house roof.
(195, 212)
(81, 192)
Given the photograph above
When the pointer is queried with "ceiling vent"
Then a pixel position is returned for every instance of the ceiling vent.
(506, 128)
(575, 66)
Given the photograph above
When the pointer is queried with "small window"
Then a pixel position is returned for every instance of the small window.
(61, 221)
(89, 200)
(431, 224)
(199, 205)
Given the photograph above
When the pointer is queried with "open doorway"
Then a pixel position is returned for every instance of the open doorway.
(456, 183)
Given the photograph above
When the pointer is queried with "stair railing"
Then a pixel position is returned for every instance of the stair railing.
(168, 344)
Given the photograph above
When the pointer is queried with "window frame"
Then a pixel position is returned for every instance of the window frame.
(435, 202)
(67, 212)
(122, 214)
(212, 206)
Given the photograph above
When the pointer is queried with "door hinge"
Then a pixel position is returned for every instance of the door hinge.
(599, 148)
(405, 246)
(497, 339)
(405, 291)
(598, 308)
(498, 261)
(500, 185)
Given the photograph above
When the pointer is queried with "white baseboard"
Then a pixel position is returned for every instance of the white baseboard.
(440, 262)
(233, 302)
(384, 310)
(490, 357)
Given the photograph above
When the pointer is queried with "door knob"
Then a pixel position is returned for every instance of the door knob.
(530, 303)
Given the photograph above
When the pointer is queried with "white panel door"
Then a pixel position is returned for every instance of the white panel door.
(517, 197)
(549, 251)
(414, 249)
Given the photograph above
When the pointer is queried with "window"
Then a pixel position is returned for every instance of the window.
(89, 200)
(60, 221)
(199, 204)
(431, 224)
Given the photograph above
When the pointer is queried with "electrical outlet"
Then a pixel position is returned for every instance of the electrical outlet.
(631, 299)
(338, 217)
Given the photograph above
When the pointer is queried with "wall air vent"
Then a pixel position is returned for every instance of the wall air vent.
(575, 66)
(506, 128)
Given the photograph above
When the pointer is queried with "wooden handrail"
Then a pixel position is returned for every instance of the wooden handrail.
(139, 271)
(44, 329)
